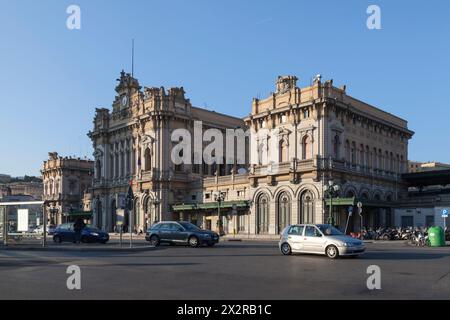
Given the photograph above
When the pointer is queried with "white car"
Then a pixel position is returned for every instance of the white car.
(319, 239)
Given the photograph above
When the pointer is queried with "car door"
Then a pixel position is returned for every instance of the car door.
(165, 232)
(313, 240)
(295, 237)
(179, 234)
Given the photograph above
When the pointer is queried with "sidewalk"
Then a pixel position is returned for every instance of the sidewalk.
(137, 245)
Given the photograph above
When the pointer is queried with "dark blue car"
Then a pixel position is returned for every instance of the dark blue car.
(65, 233)
(180, 232)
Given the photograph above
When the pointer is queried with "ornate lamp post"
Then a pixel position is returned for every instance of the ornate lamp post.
(219, 199)
(331, 191)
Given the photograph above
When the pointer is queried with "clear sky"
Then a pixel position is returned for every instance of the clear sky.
(224, 53)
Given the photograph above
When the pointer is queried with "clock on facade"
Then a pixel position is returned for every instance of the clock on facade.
(124, 101)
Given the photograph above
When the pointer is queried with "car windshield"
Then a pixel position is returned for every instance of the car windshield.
(189, 226)
(329, 230)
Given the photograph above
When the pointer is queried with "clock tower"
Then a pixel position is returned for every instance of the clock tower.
(126, 90)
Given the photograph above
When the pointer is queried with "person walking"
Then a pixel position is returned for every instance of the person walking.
(78, 228)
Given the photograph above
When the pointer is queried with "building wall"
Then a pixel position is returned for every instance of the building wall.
(133, 144)
(65, 181)
(419, 217)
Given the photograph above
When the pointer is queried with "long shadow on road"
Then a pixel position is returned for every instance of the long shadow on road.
(386, 255)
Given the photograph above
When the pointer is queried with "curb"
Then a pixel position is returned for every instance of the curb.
(78, 249)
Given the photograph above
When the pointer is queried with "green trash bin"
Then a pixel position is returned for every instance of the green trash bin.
(436, 236)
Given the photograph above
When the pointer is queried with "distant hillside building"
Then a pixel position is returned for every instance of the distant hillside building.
(416, 166)
(4, 178)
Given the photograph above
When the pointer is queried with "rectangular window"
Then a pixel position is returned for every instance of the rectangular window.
(407, 221)
(429, 221)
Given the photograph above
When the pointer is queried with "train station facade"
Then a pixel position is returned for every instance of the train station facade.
(310, 150)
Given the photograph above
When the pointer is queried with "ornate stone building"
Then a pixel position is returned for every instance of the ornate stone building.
(325, 135)
(319, 135)
(303, 140)
(65, 180)
(132, 144)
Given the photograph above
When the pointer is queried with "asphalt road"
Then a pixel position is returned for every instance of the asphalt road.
(231, 270)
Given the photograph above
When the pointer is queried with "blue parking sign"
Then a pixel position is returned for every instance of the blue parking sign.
(444, 213)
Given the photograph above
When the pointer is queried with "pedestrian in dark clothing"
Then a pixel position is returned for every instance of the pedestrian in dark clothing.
(78, 228)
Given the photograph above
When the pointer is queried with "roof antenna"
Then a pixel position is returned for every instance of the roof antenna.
(132, 58)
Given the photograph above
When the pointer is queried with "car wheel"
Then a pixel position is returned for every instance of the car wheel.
(57, 239)
(193, 242)
(154, 240)
(332, 252)
(286, 249)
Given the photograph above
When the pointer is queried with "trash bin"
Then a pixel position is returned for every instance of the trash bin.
(436, 236)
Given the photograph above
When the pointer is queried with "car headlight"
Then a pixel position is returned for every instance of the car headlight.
(347, 244)
(94, 234)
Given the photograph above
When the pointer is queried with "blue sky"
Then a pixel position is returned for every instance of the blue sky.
(224, 53)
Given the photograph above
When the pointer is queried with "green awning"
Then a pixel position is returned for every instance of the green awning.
(365, 202)
(341, 202)
(78, 214)
(210, 205)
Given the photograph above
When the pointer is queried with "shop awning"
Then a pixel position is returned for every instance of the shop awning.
(365, 202)
(78, 214)
(210, 205)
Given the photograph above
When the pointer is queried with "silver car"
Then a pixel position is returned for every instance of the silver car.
(319, 239)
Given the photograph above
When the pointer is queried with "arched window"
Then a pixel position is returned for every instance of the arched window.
(122, 164)
(336, 144)
(353, 153)
(306, 208)
(306, 147)
(113, 214)
(361, 155)
(380, 159)
(284, 211)
(116, 165)
(111, 166)
(391, 165)
(149, 211)
(137, 215)
(284, 155)
(147, 159)
(350, 194)
(368, 157)
(386, 161)
(98, 169)
(374, 159)
(128, 161)
(262, 215)
(347, 151)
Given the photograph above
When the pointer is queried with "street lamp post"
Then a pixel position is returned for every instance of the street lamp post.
(219, 199)
(331, 190)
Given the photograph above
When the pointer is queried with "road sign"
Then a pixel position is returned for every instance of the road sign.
(120, 217)
(444, 213)
(350, 210)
